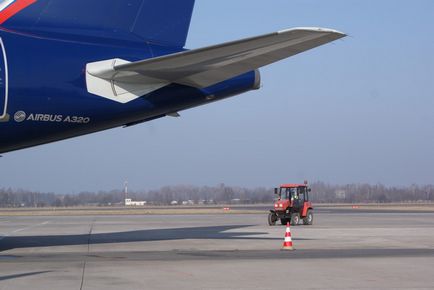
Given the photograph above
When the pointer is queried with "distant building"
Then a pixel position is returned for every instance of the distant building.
(174, 202)
(340, 194)
(130, 202)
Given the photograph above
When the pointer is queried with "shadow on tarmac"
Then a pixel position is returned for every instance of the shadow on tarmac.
(199, 233)
(15, 276)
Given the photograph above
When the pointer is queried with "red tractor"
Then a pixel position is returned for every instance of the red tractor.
(292, 205)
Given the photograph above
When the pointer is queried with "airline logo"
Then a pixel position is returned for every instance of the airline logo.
(9, 8)
(20, 116)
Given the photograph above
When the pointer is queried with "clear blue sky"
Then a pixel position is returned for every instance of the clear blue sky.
(358, 110)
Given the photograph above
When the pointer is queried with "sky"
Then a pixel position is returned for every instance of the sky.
(359, 110)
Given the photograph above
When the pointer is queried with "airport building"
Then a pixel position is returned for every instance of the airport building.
(130, 202)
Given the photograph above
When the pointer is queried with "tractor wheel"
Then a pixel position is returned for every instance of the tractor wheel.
(272, 218)
(308, 220)
(295, 219)
(284, 221)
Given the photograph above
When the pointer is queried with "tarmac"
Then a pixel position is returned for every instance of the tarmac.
(342, 250)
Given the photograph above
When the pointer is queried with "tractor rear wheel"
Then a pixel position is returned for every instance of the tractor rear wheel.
(308, 220)
(272, 218)
(295, 219)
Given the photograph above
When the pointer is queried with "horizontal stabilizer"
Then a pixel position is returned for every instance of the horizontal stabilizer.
(204, 67)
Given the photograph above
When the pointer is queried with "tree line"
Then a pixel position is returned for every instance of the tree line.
(220, 194)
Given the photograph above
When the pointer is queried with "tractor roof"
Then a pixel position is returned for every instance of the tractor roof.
(292, 185)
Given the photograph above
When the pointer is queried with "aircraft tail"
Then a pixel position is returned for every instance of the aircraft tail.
(165, 22)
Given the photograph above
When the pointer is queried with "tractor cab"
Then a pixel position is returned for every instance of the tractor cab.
(292, 204)
(292, 195)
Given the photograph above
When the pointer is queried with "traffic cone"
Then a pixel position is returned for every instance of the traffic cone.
(287, 244)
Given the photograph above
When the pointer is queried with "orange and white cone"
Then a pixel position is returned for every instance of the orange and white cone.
(287, 244)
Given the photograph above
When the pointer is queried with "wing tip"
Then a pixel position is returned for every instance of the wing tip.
(314, 29)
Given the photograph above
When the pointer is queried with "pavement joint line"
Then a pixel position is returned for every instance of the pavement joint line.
(88, 252)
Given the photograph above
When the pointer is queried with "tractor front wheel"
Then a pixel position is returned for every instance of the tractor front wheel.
(272, 218)
(295, 219)
(308, 220)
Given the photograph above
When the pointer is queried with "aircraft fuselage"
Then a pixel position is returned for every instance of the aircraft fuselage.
(47, 97)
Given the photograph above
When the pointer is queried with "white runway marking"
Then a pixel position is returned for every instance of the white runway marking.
(22, 229)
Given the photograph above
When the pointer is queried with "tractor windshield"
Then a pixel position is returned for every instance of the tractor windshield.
(291, 193)
(288, 193)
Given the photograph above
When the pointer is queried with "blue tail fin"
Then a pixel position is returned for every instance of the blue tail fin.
(164, 22)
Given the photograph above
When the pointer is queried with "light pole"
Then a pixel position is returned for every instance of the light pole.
(125, 191)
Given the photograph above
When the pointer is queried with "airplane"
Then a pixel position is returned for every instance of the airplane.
(70, 68)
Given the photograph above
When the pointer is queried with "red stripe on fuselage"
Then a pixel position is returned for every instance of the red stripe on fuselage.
(14, 8)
